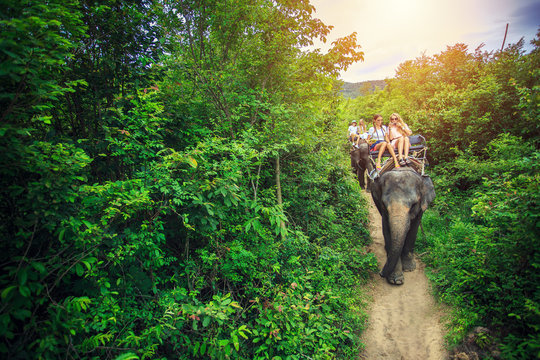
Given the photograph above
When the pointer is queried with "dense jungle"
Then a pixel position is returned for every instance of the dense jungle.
(176, 183)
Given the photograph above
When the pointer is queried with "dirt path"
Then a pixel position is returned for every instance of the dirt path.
(404, 321)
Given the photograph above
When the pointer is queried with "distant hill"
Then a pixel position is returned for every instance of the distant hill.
(352, 90)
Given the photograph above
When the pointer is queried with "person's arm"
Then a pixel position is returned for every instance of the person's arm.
(387, 134)
(406, 130)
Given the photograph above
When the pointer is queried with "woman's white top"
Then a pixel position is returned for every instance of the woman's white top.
(378, 134)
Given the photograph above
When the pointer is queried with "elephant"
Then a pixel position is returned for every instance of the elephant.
(360, 162)
(401, 196)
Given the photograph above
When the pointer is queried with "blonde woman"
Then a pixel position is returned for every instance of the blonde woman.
(362, 129)
(378, 137)
(398, 134)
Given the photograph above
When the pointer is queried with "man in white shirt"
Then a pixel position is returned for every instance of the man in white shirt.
(354, 137)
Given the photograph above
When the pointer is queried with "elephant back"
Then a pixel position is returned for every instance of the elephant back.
(416, 165)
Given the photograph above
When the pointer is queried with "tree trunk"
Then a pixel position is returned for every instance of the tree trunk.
(278, 195)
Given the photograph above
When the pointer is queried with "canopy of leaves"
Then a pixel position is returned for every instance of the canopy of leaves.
(142, 145)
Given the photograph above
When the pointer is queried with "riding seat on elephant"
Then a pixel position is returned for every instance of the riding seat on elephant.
(417, 153)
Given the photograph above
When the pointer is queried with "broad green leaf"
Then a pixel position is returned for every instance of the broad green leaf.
(206, 321)
(191, 161)
(7, 290)
(127, 356)
(23, 275)
(79, 269)
(24, 291)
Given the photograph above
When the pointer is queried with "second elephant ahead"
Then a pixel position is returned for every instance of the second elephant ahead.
(401, 196)
(360, 162)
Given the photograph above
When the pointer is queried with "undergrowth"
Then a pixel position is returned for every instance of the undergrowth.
(481, 247)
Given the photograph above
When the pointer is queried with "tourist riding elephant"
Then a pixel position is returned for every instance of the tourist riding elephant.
(360, 162)
(401, 196)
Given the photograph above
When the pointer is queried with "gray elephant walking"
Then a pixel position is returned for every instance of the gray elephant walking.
(360, 162)
(401, 196)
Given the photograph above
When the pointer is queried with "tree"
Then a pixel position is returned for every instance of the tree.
(247, 59)
(38, 39)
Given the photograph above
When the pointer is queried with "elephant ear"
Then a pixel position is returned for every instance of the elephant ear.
(376, 193)
(428, 192)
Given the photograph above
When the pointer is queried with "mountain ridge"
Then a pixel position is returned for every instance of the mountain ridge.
(353, 90)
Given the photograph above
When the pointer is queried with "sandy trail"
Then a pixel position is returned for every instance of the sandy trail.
(404, 321)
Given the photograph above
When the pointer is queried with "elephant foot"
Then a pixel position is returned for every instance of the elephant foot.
(395, 279)
(408, 264)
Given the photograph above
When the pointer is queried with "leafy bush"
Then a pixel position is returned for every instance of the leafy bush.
(183, 256)
(484, 261)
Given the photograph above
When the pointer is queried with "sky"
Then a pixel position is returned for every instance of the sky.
(393, 31)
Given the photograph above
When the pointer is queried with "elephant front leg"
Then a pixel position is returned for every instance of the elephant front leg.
(396, 277)
(407, 256)
(392, 270)
(360, 175)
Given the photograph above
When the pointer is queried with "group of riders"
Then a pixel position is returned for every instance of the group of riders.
(393, 137)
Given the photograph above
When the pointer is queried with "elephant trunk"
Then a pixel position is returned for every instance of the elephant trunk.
(369, 167)
(399, 222)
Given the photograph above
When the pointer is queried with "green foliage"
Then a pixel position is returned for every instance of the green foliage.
(479, 114)
(173, 183)
(248, 65)
(484, 255)
(163, 261)
(460, 99)
(116, 58)
(299, 323)
(139, 204)
(37, 38)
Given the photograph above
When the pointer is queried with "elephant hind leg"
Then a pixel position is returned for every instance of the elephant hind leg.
(407, 262)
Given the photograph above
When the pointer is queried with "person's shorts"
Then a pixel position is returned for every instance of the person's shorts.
(375, 143)
(394, 141)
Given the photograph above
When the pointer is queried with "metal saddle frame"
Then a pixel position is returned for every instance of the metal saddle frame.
(417, 154)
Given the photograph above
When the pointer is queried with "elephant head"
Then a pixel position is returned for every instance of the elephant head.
(401, 196)
(360, 162)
